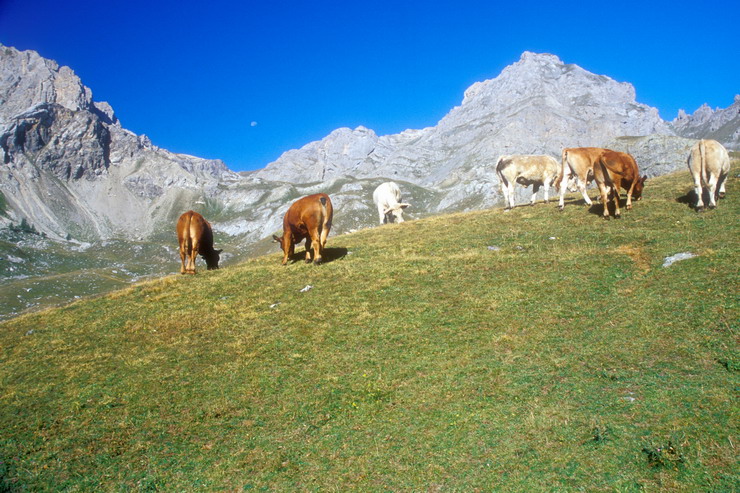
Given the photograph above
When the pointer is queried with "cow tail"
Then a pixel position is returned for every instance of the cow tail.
(703, 161)
(188, 236)
(561, 173)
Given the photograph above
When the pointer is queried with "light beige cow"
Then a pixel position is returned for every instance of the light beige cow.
(387, 198)
(578, 163)
(536, 170)
(709, 163)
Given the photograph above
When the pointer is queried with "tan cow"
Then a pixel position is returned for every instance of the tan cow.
(578, 163)
(195, 237)
(309, 218)
(615, 170)
(709, 163)
(536, 170)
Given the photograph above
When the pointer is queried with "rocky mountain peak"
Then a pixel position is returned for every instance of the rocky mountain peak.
(720, 124)
(27, 80)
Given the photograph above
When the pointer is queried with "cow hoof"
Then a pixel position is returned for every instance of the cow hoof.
(712, 206)
(606, 218)
(700, 209)
(560, 208)
(617, 216)
(317, 261)
(722, 195)
(308, 260)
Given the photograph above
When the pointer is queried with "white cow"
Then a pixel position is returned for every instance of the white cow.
(536, 170)
(709, 164)
(387, 198)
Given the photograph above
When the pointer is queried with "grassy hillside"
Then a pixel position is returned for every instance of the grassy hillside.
(37, 273)
(526, 351)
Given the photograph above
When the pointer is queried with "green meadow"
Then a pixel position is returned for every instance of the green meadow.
(533, 350)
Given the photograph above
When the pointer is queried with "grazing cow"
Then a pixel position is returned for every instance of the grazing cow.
(709, 163)
(615, 170)
(387, 198)
(309, 218)
(578, 163)
(195, 237)
(526, 170)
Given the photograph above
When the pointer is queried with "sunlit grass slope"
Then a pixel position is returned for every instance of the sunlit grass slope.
(526, 351)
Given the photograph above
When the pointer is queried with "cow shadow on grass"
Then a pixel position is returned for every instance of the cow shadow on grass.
(690, 198)
(597, 208)
(330, 255)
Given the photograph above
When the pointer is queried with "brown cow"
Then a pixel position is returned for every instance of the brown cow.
(615, 170)
(195, 237)
(309, 218)
(578, 162)
(709, 163)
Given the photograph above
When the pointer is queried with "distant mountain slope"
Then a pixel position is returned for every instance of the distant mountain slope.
(720, 124)
(537, 105)
(71, 170)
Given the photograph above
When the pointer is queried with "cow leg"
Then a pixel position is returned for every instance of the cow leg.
(183, 255)
(721, 186)
(505, 192)
(308, 250)
(535, 189)
(712, 191)
(315, 242)
(381, 215)
(563, 187)
(193, 253)
(582, 188)
(615, 195)
(512, 199)
(629, 193)
(604, 192)
(616, 187)
(547, 191)
(323, 236)
(698, 191)
(289, 251)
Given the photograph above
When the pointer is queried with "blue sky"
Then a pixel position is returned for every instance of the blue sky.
(244, 81)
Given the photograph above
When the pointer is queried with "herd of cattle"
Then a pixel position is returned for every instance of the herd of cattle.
(310, 217)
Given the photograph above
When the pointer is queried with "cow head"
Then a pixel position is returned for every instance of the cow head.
(212, 259)
(286, 245)
(637, 192)
(395, 213)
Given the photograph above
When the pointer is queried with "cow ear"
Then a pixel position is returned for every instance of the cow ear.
(219, 251)
(403, 206)
(644, 179)
(386, 211)
(275, 239)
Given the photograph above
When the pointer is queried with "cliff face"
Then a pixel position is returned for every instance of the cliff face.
(70, 169)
